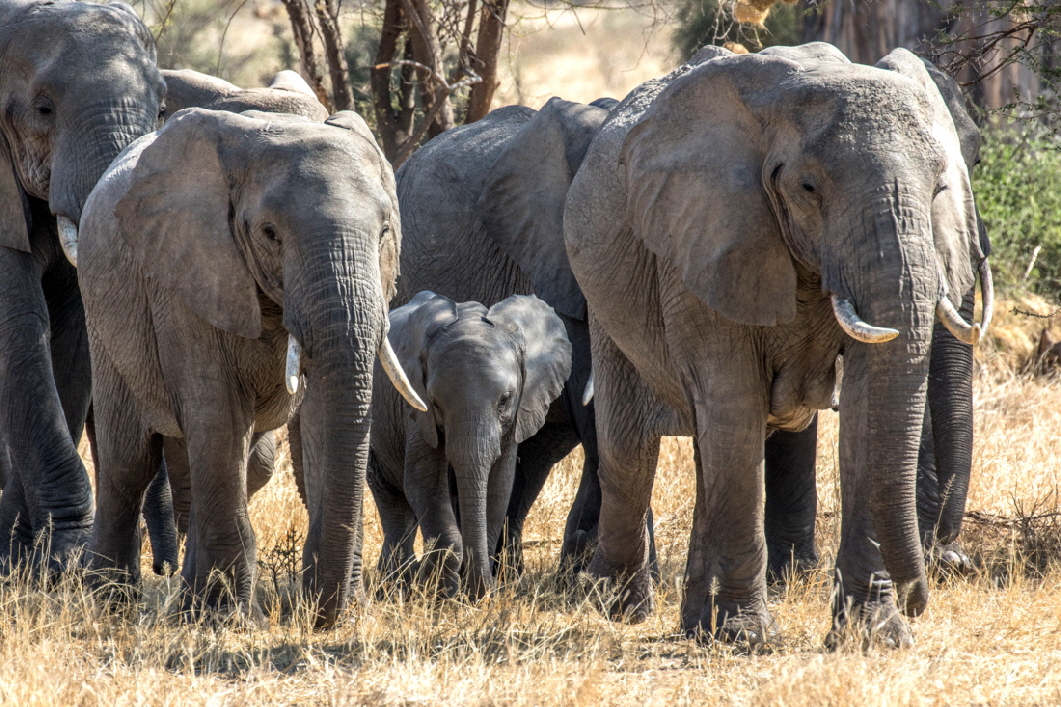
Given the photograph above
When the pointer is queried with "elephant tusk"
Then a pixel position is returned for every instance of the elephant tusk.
(68, 238)
(857, 329)
(987, 296)
(294, 364)
(966, 333)
(393, 369)
(587, 394)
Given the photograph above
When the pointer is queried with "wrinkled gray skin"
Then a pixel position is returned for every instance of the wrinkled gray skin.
(286, 93)
(482, 206)
(489, 377)
(944, 464)
(713, 216)
(280, 226)
(168, 499)
(78, 83)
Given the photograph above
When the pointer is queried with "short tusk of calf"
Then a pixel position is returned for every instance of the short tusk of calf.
(68, 238)
(987, 296)
(587, 394)
(856, 328)
(294, 364)
(393, 369)
(964, 332)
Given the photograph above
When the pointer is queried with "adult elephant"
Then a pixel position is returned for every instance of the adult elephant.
(287, 233)
(286, 93)
(944, 464)
(732, 226)
(78, 84)
(482, 209)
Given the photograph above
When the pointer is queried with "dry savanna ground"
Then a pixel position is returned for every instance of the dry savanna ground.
(993, 638)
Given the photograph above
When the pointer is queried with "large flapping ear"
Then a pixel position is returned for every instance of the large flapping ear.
(546, 357)
(14, 206)
(390, 245)
(524, 192)
(956, 226)
(175, 218)
(695, 192)
(412, 326)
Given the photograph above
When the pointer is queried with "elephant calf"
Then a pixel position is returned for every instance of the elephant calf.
(488, 377)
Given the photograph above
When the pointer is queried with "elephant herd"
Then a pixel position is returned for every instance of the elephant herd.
(187, 266)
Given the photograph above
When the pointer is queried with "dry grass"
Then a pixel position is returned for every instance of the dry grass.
(993, 638)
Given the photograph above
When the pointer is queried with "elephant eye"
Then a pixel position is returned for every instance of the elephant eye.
(503, 402)
(270, 232)
(162, 112)
(44, 108)
(809, 188)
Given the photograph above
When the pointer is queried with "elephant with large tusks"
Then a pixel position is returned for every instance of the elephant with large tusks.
(734, 227)
(287, 234)
(78, 83)
(488, 376)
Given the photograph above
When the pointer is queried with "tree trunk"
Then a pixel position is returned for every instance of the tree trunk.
(487, 49)
(334, 50)
(302, 27)
(395, 123)
(423, 35)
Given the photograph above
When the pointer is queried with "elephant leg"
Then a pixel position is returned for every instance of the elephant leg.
(294, 441)
(398, 520)
(535, 459)
(629, 451)
(180, 481)
(54, 493)
(161, 526)
(220, 563)
(791, 502)
(129, 458)
(725, 576)
(427, 487)
(262, 461)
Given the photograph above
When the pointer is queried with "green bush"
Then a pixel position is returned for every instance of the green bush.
(1018, 191)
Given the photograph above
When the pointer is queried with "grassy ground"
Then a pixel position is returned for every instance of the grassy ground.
(992, 638)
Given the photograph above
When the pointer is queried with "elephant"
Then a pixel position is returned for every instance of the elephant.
(79, 84)
(287, 233)
(733, 226)
(456, 194)
(286, 93)
(488, 376)
(944, 464)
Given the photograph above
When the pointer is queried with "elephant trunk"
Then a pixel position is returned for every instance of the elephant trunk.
(473, 450)
(950, 400)
(883, 404)
(85, 152)
(334, 305)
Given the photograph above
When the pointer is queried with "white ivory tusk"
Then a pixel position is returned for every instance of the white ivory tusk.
(857, 329)
(962, 330)
(389, 360)
(294, 364)
(68, 238)
(987, 296)
(587, 394)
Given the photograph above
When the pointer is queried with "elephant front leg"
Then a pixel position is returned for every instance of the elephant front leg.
(427, 488)
(397, 560)
(725, 576)
(791, 502)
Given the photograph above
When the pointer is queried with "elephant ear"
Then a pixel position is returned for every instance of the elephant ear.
(809, 55)
(546, 356)
(412, 326)
(523, 196)
(191, 89)
(175, 218)
(959, 236)
(14, 206)
(695, 192)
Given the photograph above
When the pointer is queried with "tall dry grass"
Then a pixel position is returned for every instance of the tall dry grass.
(991, 639)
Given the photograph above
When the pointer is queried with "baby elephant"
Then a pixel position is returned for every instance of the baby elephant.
(488, 377)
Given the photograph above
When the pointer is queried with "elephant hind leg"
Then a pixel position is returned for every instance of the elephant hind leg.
(791, 502)
(261, 463)
(629, 449)
(129, 458)
(396, 560)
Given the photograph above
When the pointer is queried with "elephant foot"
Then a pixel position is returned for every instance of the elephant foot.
(948, 560)
(220, 610)
(869, 625)
(755, 630)
(789, 561)
(575, 554)
(625, 597)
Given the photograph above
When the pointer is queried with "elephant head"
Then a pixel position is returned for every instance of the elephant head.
(79, 84)
(755, 176)
(488, 376)
(234, 215)
(286, 93)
